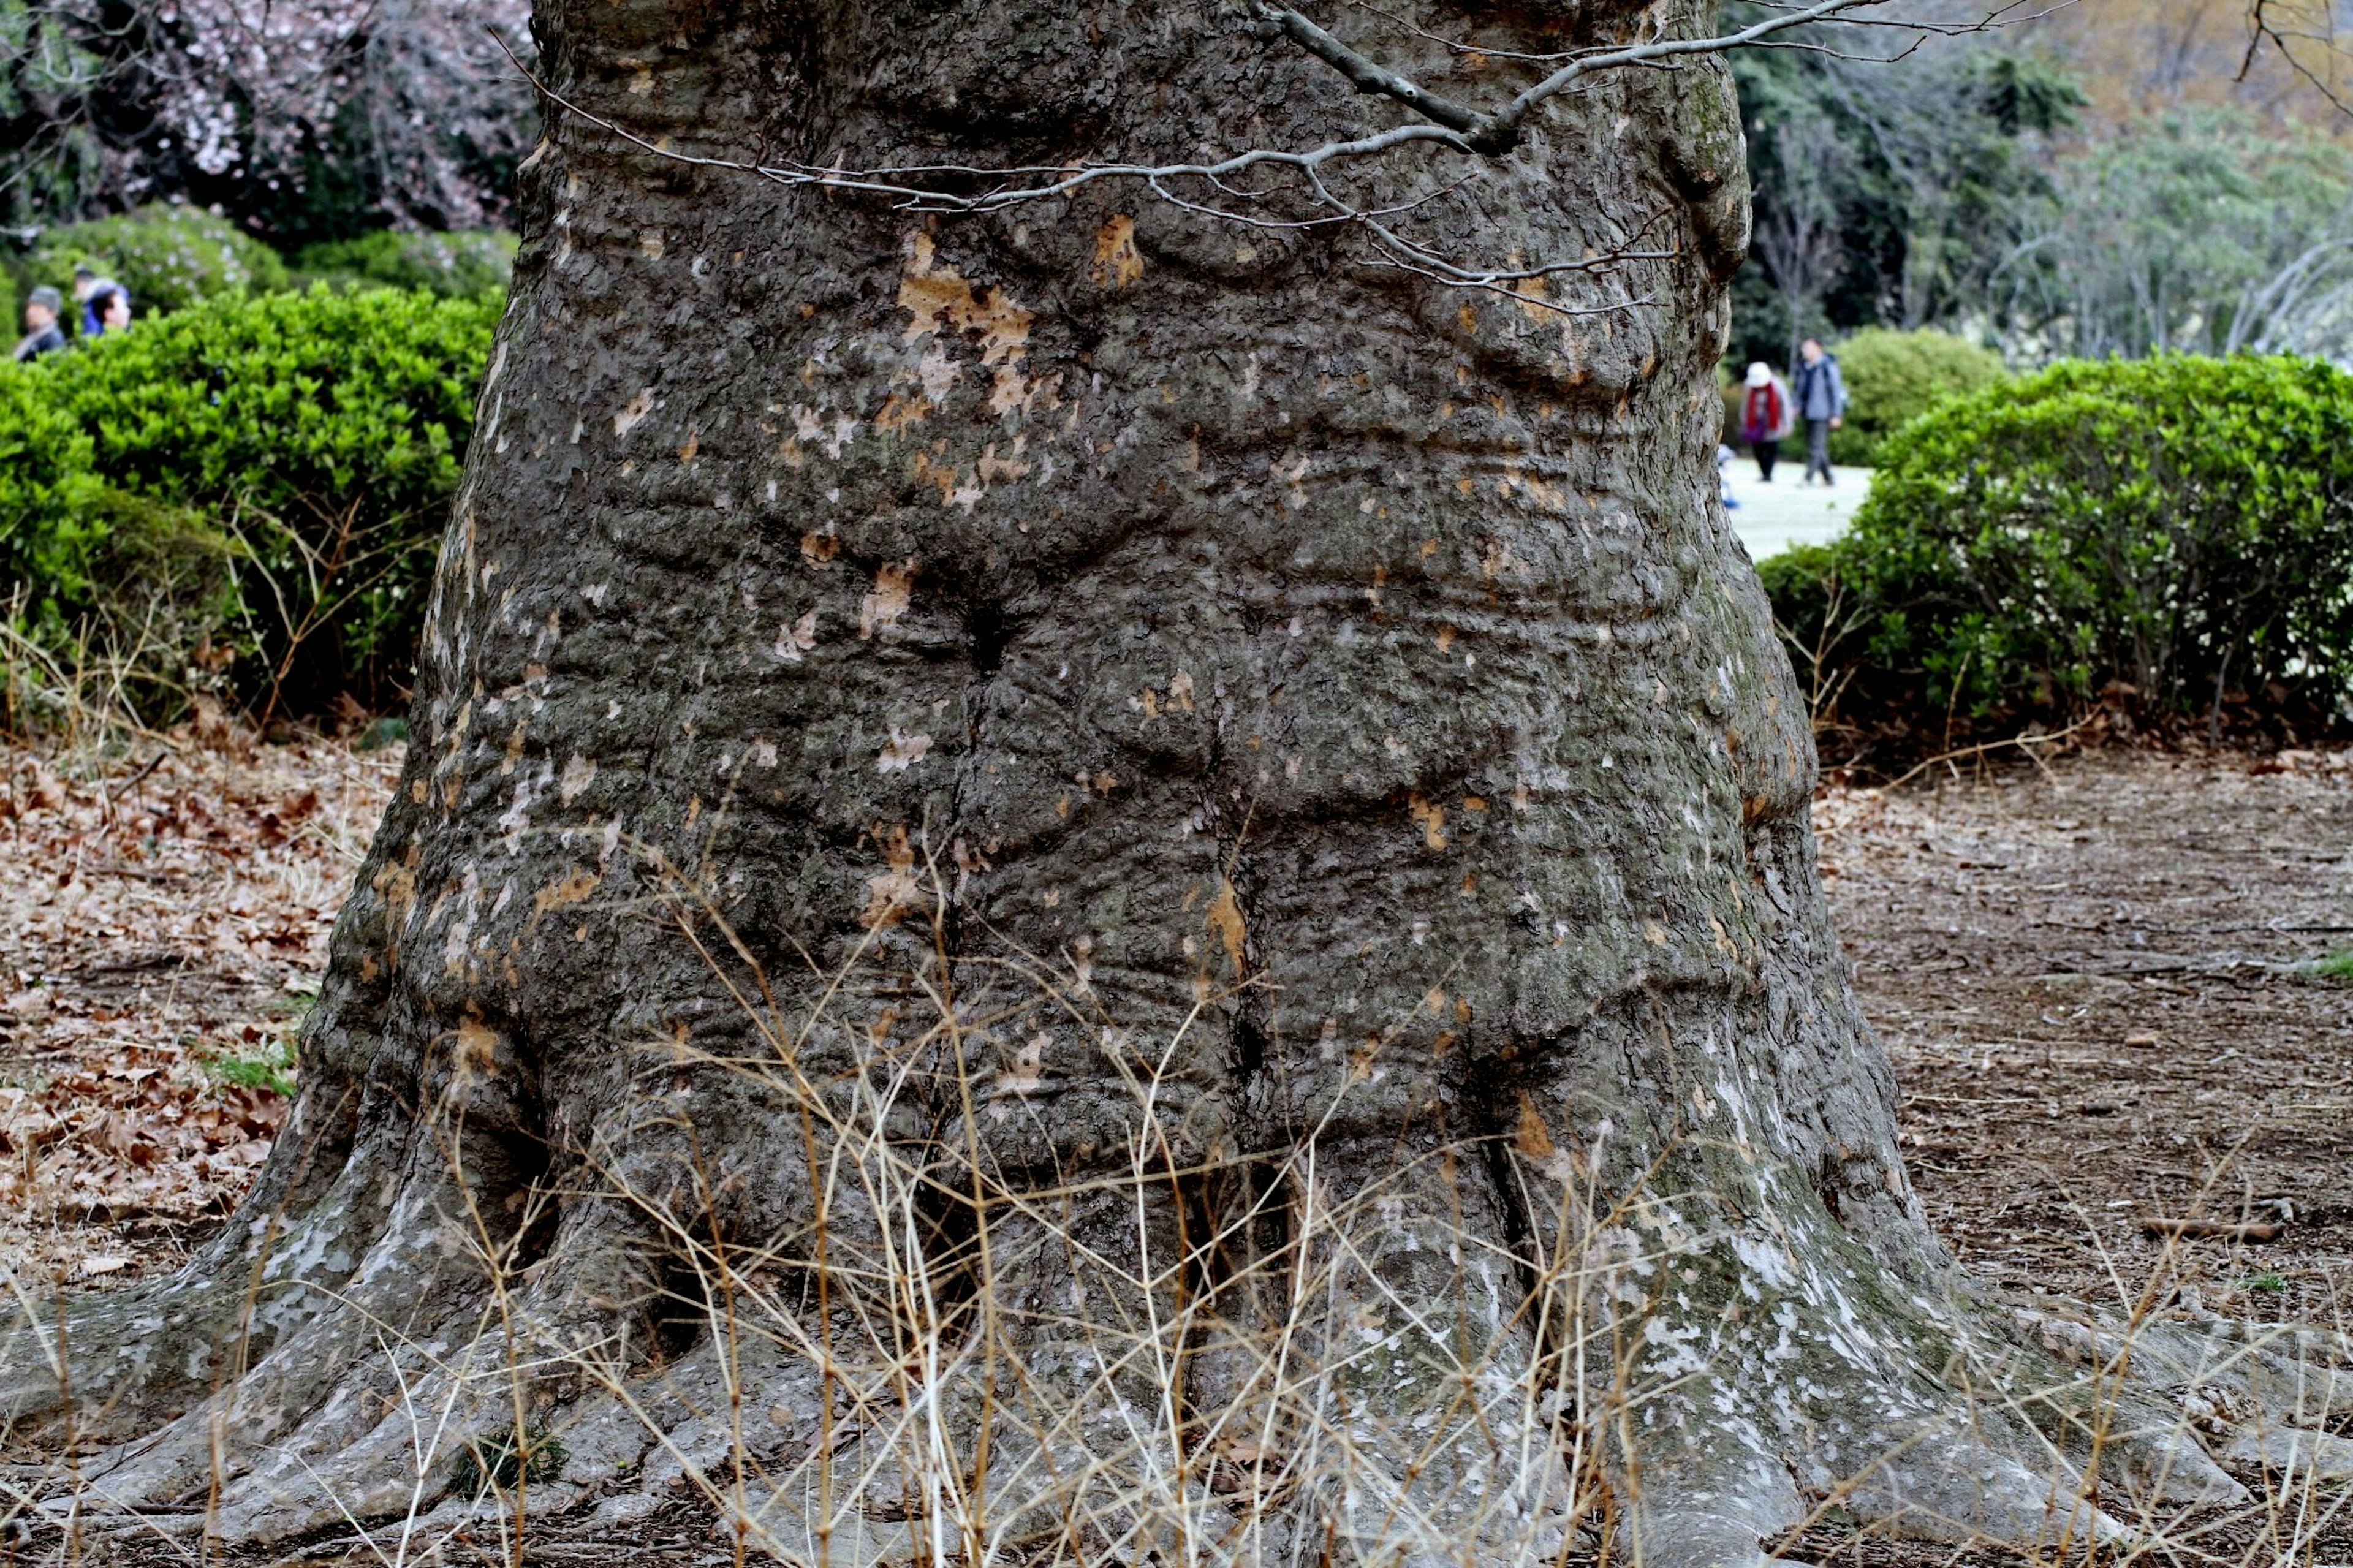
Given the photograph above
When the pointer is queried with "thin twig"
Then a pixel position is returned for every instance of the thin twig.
(1984, 747)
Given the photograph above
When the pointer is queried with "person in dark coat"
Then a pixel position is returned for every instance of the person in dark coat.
(1768, 413)
(41, 333)
(1821, 404)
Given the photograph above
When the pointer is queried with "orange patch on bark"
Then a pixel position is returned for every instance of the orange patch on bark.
(938, 296)
(1117, 262)
(896, 890)
(1533, 1138)
(1432, 819)
(893, 589)
(1225, 922)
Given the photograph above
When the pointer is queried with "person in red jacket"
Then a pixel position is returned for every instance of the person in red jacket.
(1767, 415)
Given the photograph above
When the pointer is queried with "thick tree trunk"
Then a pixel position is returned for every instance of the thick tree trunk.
(1097, 879)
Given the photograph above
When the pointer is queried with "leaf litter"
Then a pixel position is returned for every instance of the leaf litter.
(164, 910)
(2125, 1063)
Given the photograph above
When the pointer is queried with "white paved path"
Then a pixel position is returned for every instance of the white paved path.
(1771, 517)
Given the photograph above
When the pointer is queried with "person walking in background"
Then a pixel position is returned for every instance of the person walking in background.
(1821, 404)
(41, 333)
(90, 291)
(112, 306)
(1767, 415)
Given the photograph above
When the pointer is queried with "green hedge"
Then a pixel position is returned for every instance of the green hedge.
(453, 266)
(1892, 378)
(317, 437)
(2158, 533)
(170, 258)
(45, 474)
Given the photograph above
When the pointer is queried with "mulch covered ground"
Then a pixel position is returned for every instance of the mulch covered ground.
(2097, 982)
(164, 919)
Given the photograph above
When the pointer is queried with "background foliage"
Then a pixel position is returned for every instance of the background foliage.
(1886, 194)
(2167, 533)
(1892, 377)
(168, 256)
(306, 442)
(2199, 229)
(454, 265)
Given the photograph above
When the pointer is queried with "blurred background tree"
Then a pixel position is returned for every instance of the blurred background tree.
(1912, 181)
(2196, 229)
(309, 122)
(2164, 175)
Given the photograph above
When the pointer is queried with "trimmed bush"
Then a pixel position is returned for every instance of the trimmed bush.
(170, 258)
(454, 265)
(320, 435)
(1892, 378)
(45, 478)
(2158, 533)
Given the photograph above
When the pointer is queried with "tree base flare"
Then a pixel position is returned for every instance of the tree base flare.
(1431, 1351)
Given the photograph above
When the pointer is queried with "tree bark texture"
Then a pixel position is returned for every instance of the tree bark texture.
(1098, 876)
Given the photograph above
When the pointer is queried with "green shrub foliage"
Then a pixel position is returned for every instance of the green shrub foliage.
(1892, 378)
(319, 436)
(454, 265)
(2161, 532)
(170, 258)
(44, 479)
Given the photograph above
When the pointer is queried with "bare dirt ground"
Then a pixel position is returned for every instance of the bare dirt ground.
(2095, 979)
(2096, 986)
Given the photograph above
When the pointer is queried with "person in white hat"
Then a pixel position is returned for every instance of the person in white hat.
(1768, 413)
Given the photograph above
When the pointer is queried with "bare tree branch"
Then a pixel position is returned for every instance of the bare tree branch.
(1999, 16)
(1498, 132)
(1441, 123)
(1372, 78)
(2261, 29)
(1450, 125)
(892, 181)
(1510, 120)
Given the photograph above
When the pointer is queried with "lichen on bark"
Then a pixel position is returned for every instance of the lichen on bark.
(1099, 880)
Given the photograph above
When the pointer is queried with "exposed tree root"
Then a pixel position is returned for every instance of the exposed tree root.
(915, 1305)
(917, 1321)
(1432, 1352)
